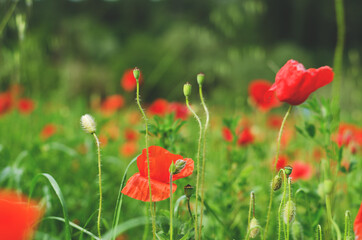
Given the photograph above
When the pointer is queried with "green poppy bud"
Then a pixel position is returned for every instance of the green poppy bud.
(200, 78)
(277, 182)
(179, 165)
(136, 73)
(289, 212)
(189, 190)
(328, 186)
(172, 168)
(254, 230)
(187, 89)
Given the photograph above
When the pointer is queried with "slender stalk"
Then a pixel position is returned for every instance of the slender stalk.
(198, 164)
(203, 156)
(100, 186)
(171, 209)
(147, 225)
(251, 210)
(7, 16)
(281, 204)
(319, 232)
(288, 213)
(189, 208)
(153, 215)
(275, 169)
(330, 219)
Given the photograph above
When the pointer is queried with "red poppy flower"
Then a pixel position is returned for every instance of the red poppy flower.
(103, 140)
(301, 170)
(346, 134)
(282, 162)
(257, 90)
(18, 216)
(128, 149)
(275, 121)
(158, 107)
(48, 131)
(130, 135)
(358, 224)
(160, 160)
(246, 137)
(112, 103)
(180, 110)
(227, 134)
(293, 83)
(5, 102)
(25, 105)
(128, 82)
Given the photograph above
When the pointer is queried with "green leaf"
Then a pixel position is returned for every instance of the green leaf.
(310, 129)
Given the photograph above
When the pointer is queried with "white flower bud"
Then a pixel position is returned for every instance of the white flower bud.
(88, 123)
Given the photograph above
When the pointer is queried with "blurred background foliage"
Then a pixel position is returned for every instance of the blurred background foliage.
(81, 48)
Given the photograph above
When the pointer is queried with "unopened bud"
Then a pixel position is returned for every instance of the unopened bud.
(172, 168)
(189, 190)
(254, 228)
(328, 186)
(187, 89)
(297, 231)
(200, 78)
(136, 73)
(288, 170)
(289, 211)
(179, 165)
(277, 182)
(88, 124)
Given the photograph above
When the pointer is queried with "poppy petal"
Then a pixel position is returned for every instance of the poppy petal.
(186, 171)
(358, 224)
(137, 188)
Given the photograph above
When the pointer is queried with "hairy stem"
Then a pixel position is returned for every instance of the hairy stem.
(171, 209)
(330, 219)
(100, 186)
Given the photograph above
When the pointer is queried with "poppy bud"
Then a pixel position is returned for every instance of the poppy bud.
(328, 185)
(136, 73)
(88, 123)
(172, 168)
(254, 230)
(187, 89)
(289, 211)
(189, 190)
(297, 231)
(277, 182)
(288, 170)
(179, 165)
(200, 78)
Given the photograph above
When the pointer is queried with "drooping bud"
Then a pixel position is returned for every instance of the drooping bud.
(327, 186)
(288, 170)
(136, 73)
(189, 190)
(277, 182)
(254, 228)
(297, 231)
(179, 165)
(88, 124)
(200, 78)
(187, 89)
(289, 211)
(172, 168)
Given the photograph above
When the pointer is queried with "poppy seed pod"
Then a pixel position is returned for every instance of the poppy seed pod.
(200, 78)
(297, 231)
(254, 230)
(136, 73)
(288, 170)
(88, 123)
(187, 89)
(289, 211)
(189, 190)
(277, 182)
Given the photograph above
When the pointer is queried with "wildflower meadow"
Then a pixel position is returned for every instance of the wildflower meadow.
(180, 120)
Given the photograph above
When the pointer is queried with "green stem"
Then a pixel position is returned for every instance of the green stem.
(189, 208)
(346, 225)
(171, 211)
(288, 213)
(269, 208)
(281, 204)
(198, 165)
(251, 209)
(330, 219)
(319, 232)
(203, 157)
(100, 186)
(148, 160)
(7, 16)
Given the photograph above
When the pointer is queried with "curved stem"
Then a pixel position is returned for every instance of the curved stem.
(203, 156)
(171, 209)
(148, 160)
(100, 186)
(198, 165)
(330, 219)
(189, 208)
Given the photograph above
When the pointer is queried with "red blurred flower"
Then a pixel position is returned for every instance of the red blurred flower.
(275, 121)
(346, 134)
(160, 160)
(112, 103)
(130, 135)
(18, 216)
(282, 162)
(158, 107)
(301, 170)
(5, 102)
(257, 90)
(293, 83)
(227, 134)
(246, 137)
(111, 130)
(358, 224)
(25, 105)
(103, 140)
(48, 131)
(128, 82)
(128, 149)
(180, 110)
